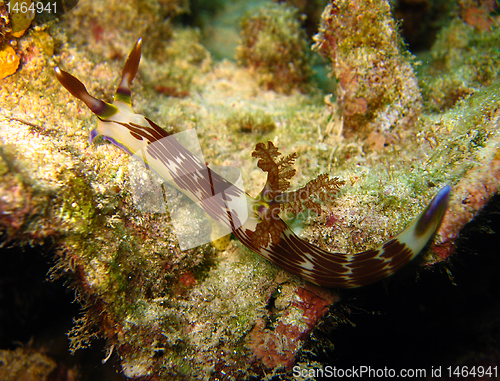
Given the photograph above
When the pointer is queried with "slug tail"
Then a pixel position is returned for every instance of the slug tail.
(403, 248)
(337, 270)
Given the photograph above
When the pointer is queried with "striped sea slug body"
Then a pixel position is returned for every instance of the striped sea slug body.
(254, 221)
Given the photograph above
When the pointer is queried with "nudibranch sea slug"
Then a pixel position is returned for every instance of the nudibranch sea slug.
(254, 221)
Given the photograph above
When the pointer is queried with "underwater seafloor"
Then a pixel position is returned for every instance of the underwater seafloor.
(395, 126)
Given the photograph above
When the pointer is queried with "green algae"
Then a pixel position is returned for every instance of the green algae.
(257, 122)
(463, 59)
(77, 201)
(377, 89)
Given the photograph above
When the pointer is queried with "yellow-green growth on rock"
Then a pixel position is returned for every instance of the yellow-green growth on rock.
(377, 88)
(273, 45)
(109, 25)
(464, 58)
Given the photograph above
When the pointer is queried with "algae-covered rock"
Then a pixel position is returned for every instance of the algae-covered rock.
(273, 45)
(201, 313)
(311, 11)
(464, 58)
(378, 89)
(26, 364)
(109, 26)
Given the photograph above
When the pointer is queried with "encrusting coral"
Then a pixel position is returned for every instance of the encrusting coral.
(277, 338)
(377, 86)
(478, 13)
(195, 314)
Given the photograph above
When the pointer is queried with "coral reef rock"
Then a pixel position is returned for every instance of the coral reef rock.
(378, 89)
